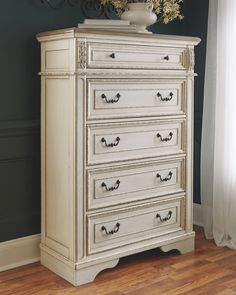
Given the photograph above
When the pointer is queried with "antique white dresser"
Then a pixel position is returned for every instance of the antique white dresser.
(117, 146)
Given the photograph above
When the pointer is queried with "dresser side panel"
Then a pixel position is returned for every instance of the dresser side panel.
(81, 164)
(58, 171)
(58, 56)
(190, 153)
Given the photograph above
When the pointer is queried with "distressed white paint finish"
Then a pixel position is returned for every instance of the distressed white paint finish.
(132, 225)
(134, 140)
(59, 164)
(76, 70)
(184, 246)
(111, 98)
(106, 55)
(134, 182)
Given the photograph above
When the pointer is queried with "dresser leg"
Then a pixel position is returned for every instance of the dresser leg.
(69, 272)
(88, 274)
(184, 246)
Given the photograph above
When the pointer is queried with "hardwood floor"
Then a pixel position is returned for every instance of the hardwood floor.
(209, 270)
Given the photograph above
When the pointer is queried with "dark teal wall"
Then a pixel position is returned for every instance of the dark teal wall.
(20, 21)
(196, 25)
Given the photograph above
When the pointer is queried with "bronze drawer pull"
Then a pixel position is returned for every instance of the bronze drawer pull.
(113, 188)
(167, 178)
(103, 140)
(168, 217)
(166, 57)
(166, 138)
(165, 98)
(111, 100)
(112, 55)
(113, 231)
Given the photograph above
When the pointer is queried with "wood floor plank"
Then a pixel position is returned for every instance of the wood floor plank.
(209, 270)
(211, 288)
(198, 255)
(224, 254)
(226, 292)
(201, 280)
(231, 284)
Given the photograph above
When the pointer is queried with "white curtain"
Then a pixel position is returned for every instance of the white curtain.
(218, 155)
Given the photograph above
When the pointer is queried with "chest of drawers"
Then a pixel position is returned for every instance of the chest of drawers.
(116, 117)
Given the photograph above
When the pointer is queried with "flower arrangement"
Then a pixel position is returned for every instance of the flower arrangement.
(166, 10)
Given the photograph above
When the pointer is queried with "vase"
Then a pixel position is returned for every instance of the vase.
(141, 15)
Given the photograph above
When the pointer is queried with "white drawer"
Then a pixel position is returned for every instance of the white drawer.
(122, 98)
(114, 186)
(114, 229)
(118, 142)
(109, 55)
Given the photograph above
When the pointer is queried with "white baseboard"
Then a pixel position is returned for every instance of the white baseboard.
(19, 252)
(197, 214)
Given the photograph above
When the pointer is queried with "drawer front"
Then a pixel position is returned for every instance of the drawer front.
(124, 56)
(107, 187)
(124, 142)
(115, 229)
(122, 98)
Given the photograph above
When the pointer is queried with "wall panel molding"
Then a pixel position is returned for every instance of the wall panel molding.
(17, 159)
(27, 217)
(19, 127)
(19, 178)
(19, 140)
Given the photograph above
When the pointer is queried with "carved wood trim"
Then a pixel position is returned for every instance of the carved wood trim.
(82, 54)
(191, 59)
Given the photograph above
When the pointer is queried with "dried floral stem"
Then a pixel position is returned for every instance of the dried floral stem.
(166, 10)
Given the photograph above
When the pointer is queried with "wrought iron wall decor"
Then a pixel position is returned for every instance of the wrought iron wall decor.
(54, 4)
(90, 8)
(94, 9)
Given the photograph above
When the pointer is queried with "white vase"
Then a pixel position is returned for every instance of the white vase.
(141, 15)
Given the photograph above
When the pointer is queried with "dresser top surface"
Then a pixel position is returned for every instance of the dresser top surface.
(93, 33)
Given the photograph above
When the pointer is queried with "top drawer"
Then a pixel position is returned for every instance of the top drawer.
(135, 56)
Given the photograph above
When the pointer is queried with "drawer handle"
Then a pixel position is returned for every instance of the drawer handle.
(165, 98)
(166, 138)
(103, 140)
(166, 57)
(112, 55)
(167, 178)
(113, 231)
(164, 219)
(111, 100)
(112, 188)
